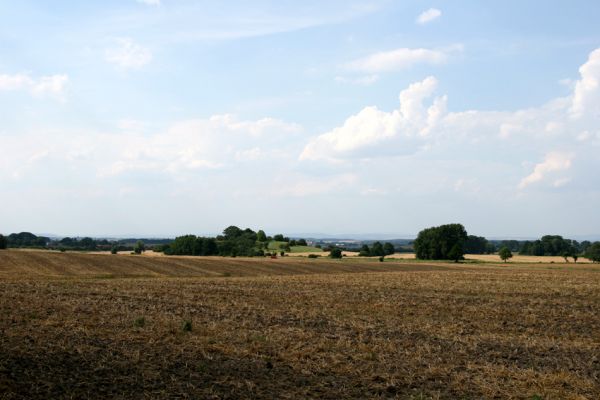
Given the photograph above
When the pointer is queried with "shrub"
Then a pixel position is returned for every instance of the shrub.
(335, 253)
(381, 258)
(2, 242)
(313, 256)
(139, 247)
(187, 326)
(139, 322)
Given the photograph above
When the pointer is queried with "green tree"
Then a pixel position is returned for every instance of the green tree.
(593, 252)
(2, 242)
(388, 249)
(302, 242)
(505, 253)
(365, 251)
(335, 253)
(475, 245)
(87, 243)
(456, 252)
(377, 249)
(436, 243)
(114, 249)
(261, 236)
(139, 247)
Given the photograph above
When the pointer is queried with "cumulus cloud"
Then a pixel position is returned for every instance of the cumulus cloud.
(371, 126)
(127, 54)
(52, 86)
(399, 59)
(428, 16)
(553, 162)
(422, 122)
(586, 97)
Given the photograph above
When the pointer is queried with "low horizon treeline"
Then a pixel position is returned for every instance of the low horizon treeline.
(431, 243)
(451, 242)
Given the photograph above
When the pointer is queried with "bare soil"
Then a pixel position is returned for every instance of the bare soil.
(97, 326)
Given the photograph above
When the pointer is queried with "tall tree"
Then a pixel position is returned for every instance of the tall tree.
(377, 249)
(436, 243)
(505, 253)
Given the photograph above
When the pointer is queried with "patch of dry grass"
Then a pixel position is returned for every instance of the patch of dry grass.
(453, 332)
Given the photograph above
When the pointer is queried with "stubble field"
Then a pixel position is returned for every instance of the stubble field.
(96, 326)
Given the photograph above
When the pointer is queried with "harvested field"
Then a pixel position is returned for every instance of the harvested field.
(96, 326)
(494, 258)
(19, 264)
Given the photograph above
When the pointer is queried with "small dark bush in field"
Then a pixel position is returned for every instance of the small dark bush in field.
(187, 326)
(62, 249)
(226, 274)
(313, 256)
(381, 258)
(282, 253)
(335, 253)
(114, 250)
(139, 322)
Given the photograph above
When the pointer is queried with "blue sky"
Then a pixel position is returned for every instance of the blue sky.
(161, 118)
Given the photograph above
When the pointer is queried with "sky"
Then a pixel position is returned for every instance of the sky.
(168, 117)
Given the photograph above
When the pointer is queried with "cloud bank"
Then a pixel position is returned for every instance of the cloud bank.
(558, 129)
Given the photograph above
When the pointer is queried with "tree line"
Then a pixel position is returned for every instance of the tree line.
(445, 242)
(233, 242)
(451, 242)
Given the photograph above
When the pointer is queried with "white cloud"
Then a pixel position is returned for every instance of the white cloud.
(128, 55)
(553, 162)
(399, 59)
(371, 127)
(422, 125)
(428, 16)
(586, 97)
(150, 2)
(15, 82)
(189, 145)
(415, 124)
(53, 85)
(50, 85)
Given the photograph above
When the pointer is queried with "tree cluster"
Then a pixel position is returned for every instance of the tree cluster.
(233, 242)
(377, 250)
(553, 245)
(2, 242)
(191, 245)
(26, 239)
(478, 245)
(445, 242)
